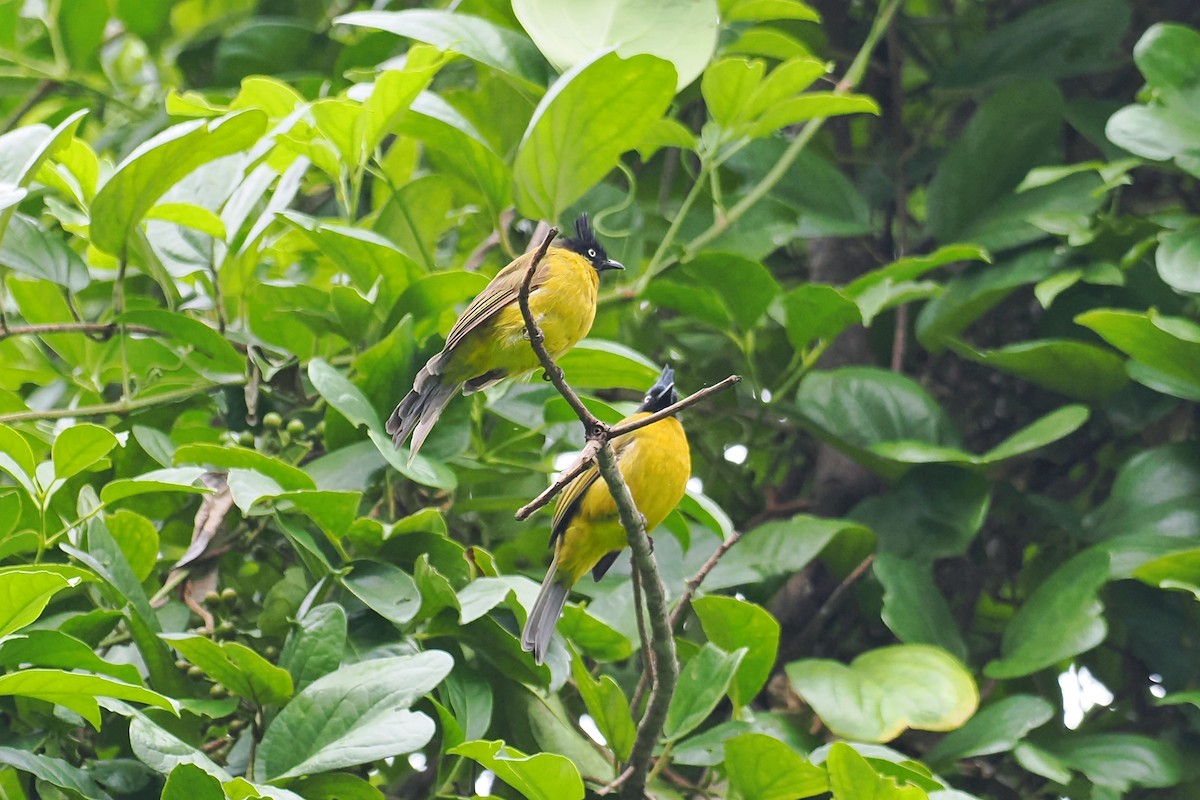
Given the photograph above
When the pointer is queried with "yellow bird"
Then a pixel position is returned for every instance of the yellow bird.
(489, 343)
(586, 533)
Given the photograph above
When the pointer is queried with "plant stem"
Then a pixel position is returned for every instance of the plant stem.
(124, 406)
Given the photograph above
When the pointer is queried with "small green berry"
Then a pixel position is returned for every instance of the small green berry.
(295, 427)
(273, 420)
(229, 595)
(217, 690)
(246, 438)
(194, 672)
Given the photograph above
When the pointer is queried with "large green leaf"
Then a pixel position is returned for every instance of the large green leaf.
(544, 776)
(157, 165)
(703, 681)
(386, 589)
(189, 782)
(934, 511)
(852, 777)
(315, 646)
(1062, 618)
(1011, 132)
(914, 608)
(763, 768)
(888, 690)
(240, 669)
(1167, 345)
(78, 691)
(54, 771)
(476, 38)
(1076, 369)
(1120, 760)
(995, 729)
(731, 624)
(25, 593)
(52, 648)
(79, 447)
(592, 114)
(353, 716)
(32, 251)
(778, 548)
(570, 31)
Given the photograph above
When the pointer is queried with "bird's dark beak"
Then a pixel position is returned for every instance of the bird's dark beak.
(610, 264)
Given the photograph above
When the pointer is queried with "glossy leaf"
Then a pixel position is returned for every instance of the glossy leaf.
(544, 776)
(885, 691)
(763, 768)
(609, 103)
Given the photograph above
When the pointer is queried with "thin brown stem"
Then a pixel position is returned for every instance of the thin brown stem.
(118, 408)
(104, 330)
(693, 583)
(812, 630)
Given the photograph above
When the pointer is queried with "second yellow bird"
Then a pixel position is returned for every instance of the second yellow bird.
(655, 462)
(489, 343)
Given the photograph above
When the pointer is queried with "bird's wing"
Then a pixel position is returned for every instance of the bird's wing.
(503, 289)
(569, 500)
(572, 496)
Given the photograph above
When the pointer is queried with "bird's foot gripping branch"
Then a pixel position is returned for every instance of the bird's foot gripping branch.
(661, 663)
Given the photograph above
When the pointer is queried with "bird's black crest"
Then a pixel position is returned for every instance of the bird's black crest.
(662, 393)
(586, 244)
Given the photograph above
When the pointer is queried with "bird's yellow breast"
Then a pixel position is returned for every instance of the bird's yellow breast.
(656, 464)
(564, 305)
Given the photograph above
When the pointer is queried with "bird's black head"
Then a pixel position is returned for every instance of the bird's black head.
(587, 245)
(662, 393)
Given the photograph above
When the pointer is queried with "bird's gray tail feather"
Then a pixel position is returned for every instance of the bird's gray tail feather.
(421, 407)
(543, 617)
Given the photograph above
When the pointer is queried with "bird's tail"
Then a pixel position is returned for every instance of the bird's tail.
(421, 407)
(547, 608)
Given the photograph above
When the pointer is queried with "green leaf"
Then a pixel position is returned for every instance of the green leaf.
(163, 752)
(913, 606)
(570, 32)
(1008, 134)
(851, 777)
(478, 39)
(731, 624)
(342, 394)
(934, 511)
(545, 776)
(703, 681)
(972, 294)
(1176, 259)
(191, 216)
(389, 591)
(31, 251)
(816, 312)
(608, 706)
(175, 479)
(209, 348)
(1062, 618)
(54, 771)
(609, 103)
(1076, 369)
(600, 364)
(315, 645)
(52, 648)
(353, 716)
(78, 692)
(761, 767)
(1166, 344)
(744, 289)
(137, 538)
(777, 548)
(160, 163)
(189, 782)
(237, 667)
(79, 447)
(25, 593)
(287, 476)
(886, 691)
(996, 729)
(421, 469)
(1120, 760)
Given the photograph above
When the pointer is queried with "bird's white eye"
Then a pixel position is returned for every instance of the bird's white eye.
(591, 252)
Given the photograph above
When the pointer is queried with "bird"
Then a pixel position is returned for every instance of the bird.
(586, 533)
(489, 343)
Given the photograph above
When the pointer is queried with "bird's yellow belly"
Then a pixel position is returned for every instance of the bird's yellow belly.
(564, 310)
(656, 467)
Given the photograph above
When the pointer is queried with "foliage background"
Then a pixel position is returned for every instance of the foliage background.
(962, 462)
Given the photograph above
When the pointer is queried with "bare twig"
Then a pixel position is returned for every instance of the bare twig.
(581, 464)
(693, 583)
(813, 629)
